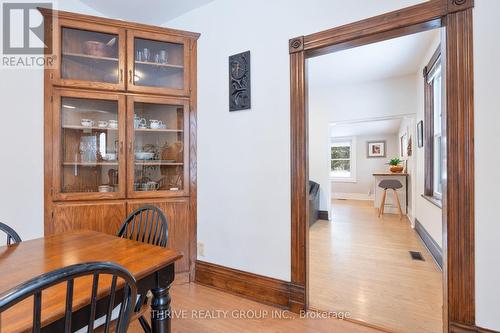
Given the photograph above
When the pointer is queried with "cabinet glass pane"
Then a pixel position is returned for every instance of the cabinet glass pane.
(158, 64)
(158, 147)
(89, 56)
(90, 143)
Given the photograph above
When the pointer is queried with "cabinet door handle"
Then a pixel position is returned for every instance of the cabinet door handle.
(130, 147)
(121, 75)
(121, 147)
(129, 76)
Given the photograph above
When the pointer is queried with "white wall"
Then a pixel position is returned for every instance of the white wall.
(407, 127)
(363, 188)
(429, 215)
(347, 102)
(487, 160)
(21, 144)
(244, 157)
(319, 152)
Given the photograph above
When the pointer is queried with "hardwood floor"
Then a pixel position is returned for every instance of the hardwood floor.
(360, 263)
(195, 301)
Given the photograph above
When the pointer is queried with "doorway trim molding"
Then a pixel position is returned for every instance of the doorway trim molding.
(458, 203)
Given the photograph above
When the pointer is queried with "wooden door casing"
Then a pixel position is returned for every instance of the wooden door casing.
(458, 203)
(177, 213)
(104, 217)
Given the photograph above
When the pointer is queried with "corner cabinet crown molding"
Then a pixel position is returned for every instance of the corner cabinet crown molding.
(120, 126)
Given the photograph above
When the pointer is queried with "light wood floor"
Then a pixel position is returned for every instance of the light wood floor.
(192, 297)
(360, 263)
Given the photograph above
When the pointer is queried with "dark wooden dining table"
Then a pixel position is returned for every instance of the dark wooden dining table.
(29, 259)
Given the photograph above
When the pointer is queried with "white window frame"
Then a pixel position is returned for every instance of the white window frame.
(352, 178)
(437, 115)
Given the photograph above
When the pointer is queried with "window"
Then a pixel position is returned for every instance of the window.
(433, 125)
(342, 161)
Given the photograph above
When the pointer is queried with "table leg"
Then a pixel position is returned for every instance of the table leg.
(160, 310)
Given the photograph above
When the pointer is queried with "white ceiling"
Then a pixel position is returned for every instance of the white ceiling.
(146, 11)
(366, 128)
(391, 58)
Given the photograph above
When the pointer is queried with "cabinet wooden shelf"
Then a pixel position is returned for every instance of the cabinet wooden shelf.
(90, 57)
(77, 127)
(152, 130)
(96, 77)
(90, 164)
(156, 64)
(157, 163)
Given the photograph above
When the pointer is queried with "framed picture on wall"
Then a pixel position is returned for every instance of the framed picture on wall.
(375, 149)
(420, 134)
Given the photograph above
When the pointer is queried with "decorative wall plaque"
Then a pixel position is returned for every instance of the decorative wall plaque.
(239, 81)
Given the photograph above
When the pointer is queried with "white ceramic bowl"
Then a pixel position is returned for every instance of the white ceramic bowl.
(109, 157)
(105, 188)
(142, 155)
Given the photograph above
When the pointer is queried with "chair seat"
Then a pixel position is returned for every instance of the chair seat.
(393, 184)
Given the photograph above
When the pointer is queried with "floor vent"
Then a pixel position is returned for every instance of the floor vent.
(417, 255)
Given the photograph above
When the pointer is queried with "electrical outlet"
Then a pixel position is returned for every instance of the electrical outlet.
(201, 249)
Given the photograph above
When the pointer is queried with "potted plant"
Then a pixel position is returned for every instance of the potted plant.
(395, 165)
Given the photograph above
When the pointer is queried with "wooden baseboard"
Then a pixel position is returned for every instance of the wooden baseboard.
(296, 299)
(322, 215)
(181, 278)
(485, 330)
(252, 286)
(353, 196)
(430, 243)
(460, 328)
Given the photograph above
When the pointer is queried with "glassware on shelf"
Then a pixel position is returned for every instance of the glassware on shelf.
(158, 64)
(139, 56)
(163, 56)
(88, 149)
(89, 145)
(146, 54)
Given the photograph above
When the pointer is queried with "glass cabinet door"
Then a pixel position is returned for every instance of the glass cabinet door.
(88, 145)
(157, 66)
(91, 58)
(158, 149)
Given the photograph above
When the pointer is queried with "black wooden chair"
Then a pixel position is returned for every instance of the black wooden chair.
(146, 224)
(35, 286)
(12, 235)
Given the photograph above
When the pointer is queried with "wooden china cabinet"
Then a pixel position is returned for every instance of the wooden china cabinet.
(120, 127)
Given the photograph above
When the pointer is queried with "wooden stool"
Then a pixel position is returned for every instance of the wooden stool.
(392, 184)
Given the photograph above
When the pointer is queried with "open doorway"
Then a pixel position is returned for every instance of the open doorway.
(457, 181)
(366, 256)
